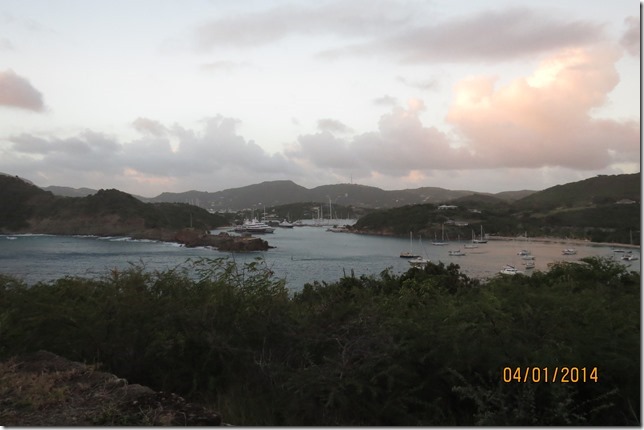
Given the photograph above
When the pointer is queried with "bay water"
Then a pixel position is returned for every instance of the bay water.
(300, 255)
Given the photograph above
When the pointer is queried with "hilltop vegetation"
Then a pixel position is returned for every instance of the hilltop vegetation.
(593, 209)
(429, 347)
(27, 208)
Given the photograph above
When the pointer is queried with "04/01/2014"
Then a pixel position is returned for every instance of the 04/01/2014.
(564, 375)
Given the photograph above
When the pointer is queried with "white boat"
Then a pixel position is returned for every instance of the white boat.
(509, 270)
(254, 226)
(529, 264)
(481, 240)
(569, 251)
(410, 253)
(456, 253)
(285, 224)
(442, 241)
(419, 262)
(630, 257)
(523, 252)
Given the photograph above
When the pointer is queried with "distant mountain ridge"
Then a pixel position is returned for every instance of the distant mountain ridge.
(276, 193)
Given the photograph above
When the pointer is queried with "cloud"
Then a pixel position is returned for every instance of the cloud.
(401, 144)
(385, 100)
(631, 38)
(5, 44)
(425, 85)
(545, 119)
(224, 66)
(354, 19)
(150, 127)
(17, 92)
(215, 152)
(333, 126)
(485, 37)
(86, 151)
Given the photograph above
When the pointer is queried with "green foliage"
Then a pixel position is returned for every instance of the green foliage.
(28, 202)
(601, 189)
(427, 347)
(585, 210)
(18, 201)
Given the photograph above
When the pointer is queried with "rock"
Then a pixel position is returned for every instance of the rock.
(223, 241)
(44, 389)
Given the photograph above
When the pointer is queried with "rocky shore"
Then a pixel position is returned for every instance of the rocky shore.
(135, 228)
(222, 241)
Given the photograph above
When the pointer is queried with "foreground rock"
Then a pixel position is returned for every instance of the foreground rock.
(44, 389)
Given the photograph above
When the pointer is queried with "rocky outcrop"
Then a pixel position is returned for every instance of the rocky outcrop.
(222, 241)
(44, 389)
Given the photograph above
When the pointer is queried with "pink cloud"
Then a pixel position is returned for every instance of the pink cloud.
(16, 91)
(631, 38)
(546, 119)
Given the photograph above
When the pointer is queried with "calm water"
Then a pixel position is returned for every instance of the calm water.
(300, 255)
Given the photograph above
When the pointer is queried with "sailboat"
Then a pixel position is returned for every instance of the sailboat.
(472, 245)
(481, 240)
(442, 241)
(525, 253)
(419, 261)
(410, 253)
(456, 252)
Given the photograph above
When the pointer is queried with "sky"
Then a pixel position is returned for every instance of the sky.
(148, 96)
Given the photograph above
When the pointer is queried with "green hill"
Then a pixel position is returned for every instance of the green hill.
(601, 209)
(602, 189)
(26, 208)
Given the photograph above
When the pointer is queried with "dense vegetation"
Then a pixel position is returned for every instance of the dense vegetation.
(603, 223)
(24, 204)
(592, 209)
(427, 347)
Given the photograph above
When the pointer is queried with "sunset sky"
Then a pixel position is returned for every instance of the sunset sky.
(149, 96)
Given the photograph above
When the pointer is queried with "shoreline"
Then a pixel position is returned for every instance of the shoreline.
(561, 240)
(564, 241)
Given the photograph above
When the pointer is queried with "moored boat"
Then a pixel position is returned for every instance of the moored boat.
(419, 262)
(508, 269)
(254, 226)
(410, 253)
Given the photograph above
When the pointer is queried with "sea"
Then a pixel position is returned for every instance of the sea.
(299, 255)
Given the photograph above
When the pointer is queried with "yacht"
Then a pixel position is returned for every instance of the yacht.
(254, 226)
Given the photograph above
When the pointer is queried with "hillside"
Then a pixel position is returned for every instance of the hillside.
(601, 209)
(598, 190)
(26, 208)
(278, 193)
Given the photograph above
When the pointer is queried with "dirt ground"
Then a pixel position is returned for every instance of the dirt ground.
(44, 389)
